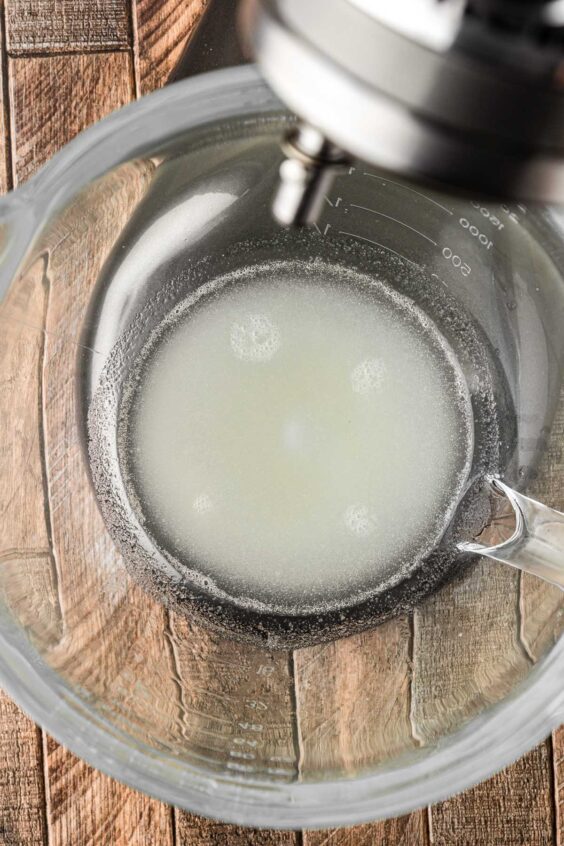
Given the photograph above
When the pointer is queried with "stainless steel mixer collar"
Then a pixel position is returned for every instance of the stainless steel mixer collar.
(467, 93)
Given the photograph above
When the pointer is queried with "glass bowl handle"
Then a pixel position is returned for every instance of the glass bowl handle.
(536, 545)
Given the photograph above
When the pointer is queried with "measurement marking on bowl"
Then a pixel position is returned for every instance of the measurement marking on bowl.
(278, 771)
(476, 232)
(249, 749)
(407, 188)
(242, 768)
(256, 705)
(378, 244)
(488, 215)
(395, 219)
(334, 205)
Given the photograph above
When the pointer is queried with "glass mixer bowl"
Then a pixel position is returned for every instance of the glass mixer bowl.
(157, 199)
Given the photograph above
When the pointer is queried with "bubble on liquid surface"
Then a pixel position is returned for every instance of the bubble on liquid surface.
(202, 504)
(256, 338)
(368, 375)
(318, 497)
(360, 520)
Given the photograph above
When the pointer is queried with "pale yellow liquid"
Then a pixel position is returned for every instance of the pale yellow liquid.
(299, 440)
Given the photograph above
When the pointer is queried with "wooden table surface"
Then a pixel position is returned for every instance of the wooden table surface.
(64, 65)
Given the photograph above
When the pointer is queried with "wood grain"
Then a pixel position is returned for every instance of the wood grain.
(53, 98)
(49, 26)
(514, 808)
(198, 831)
(5, 147)
(163, 28)
(404, 831)
(467, 649)
(236, 703)
(558, 762)
(87, 562)
(22, 794)
(349, 715)
(86, 808)
(29, 587)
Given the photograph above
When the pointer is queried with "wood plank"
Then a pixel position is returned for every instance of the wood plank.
(29, 584)
(163, 28)
(22, 787)
(113, 645)
(558, 762)
(402, 831)
(22, 794)
(50, 26)
(513, 808)
(467, 651)
(5, 147)
(199, 831)
(354, 711)
(88, 564)
(53, 98)
(354, 700)
(86, 808)
(237, 710)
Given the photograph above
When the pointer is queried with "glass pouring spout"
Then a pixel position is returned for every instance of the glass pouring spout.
(537, 542)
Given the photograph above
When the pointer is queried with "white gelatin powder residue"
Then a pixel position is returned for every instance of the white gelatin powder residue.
(297, 438)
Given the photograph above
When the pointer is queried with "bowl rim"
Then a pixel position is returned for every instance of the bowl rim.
(486, 744)
(483, 746)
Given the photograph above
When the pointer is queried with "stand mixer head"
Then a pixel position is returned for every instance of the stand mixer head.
(465, 94)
